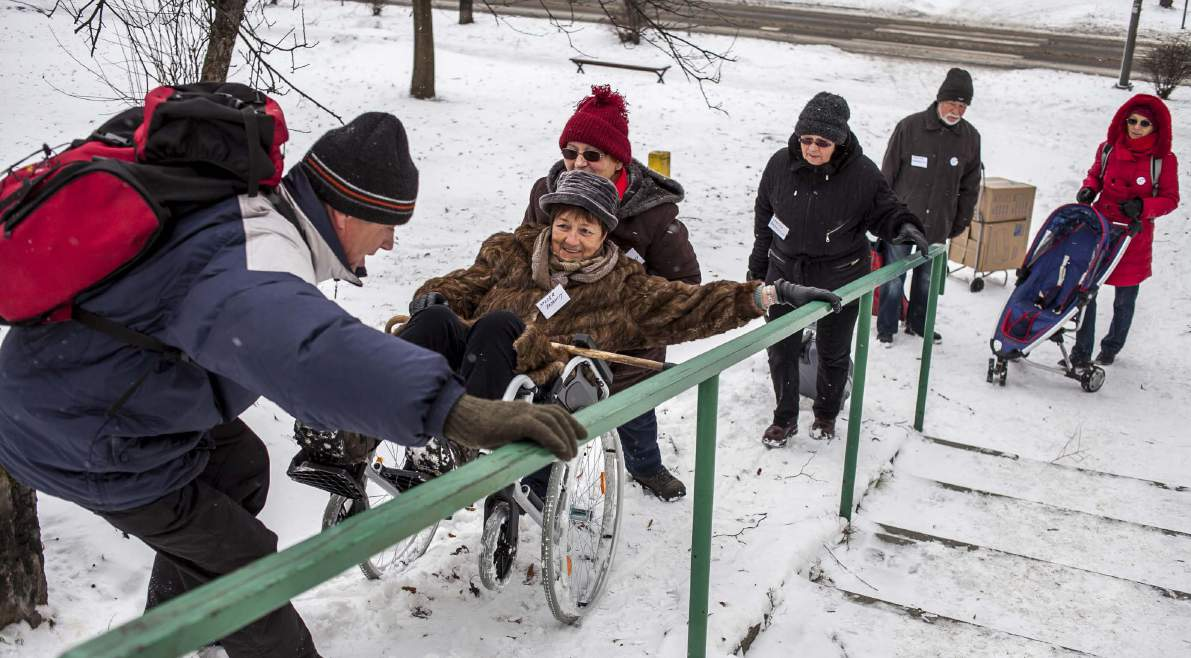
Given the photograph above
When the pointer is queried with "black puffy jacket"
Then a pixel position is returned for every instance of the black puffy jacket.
(825, 211)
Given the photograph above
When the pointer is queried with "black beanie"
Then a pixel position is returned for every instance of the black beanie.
(825, 115)
(364, 169)
(956, 87)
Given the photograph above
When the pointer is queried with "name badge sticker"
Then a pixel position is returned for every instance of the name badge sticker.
(779, 229)
(554, 300)
(918, 161)
(632, 253)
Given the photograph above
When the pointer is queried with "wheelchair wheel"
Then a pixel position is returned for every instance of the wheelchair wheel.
(499, 545)
(381, 486)
(581, 527)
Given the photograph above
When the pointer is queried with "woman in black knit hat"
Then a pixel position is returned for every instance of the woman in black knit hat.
(817, 198)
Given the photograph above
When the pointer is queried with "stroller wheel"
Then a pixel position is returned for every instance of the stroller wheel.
(1092, 379)
(976, 285)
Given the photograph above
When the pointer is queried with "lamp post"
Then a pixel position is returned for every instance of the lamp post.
(1130, 41)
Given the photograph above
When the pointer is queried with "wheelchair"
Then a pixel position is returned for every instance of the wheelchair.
(580, 516)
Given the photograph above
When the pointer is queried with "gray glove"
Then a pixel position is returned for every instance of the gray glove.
(795, 295)
(478, 423)
(423, 302)
(909, 234)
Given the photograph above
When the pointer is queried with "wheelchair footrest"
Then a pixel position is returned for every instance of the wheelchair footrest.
(338, 480)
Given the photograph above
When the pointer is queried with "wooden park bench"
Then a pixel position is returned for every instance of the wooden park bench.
(659, 70)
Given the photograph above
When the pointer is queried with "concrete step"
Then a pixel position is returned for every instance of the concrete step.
(964, 518)
(1162, 505)
(1051, 603)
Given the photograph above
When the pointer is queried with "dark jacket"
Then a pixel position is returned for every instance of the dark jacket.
(826, 210)
(934, 169)
(627, 308)
(1127, 176)
(233, 287)
(649, 227)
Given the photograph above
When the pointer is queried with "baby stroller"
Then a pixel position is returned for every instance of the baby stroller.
(1074, 252)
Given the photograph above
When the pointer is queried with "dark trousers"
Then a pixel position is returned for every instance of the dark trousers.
(891, 294)
(209, 528)
(1123, 303)
(834, 336)
(483, 354)
(639, 440)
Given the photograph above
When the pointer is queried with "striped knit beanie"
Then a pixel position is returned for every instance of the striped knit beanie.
(602, 121)
(591, 192)
(364, 169)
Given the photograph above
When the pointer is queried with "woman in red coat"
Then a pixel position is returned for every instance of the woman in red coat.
(1136, 152)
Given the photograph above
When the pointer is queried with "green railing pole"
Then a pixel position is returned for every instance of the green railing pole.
(707, 415)
(938, 266)
(856, 411)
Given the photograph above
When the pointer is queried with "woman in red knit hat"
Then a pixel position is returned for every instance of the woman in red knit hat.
(1134, 178)
(596, 139)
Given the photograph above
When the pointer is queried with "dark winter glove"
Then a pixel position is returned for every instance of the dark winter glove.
(750, 275)
(1131, 208)
(489, 424)
(795, 295)
(423, 302)
(907, 233)
(958, 228)
(1135, 227)
(1085, 195)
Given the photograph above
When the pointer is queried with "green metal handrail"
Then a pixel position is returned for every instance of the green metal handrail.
(237, 599)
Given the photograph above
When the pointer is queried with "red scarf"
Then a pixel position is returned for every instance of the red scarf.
(622, 182)
(1141, 145)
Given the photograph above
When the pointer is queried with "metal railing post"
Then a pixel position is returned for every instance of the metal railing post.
(937, 266)
(706, 417)
(856, 411)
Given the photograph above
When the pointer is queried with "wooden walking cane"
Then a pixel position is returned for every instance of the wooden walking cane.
(395, 322)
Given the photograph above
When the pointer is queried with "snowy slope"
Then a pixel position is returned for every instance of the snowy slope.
(504, 94)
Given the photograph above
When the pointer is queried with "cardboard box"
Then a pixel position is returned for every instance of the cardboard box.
(1003, 200)
(992, 247)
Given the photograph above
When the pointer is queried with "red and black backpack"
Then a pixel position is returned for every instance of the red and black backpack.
(78, 219)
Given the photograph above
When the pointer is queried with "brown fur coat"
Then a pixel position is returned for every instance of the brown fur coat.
(627, 309)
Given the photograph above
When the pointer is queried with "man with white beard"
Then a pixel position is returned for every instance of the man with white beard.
(933, 164)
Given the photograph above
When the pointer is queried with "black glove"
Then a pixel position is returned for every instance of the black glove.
(1131, 208)
(749, 275)
(1085, 195)
(424, 302)
(795, 295)
(1135, 227)
(907, 233)
(958, 228)
(478, 423)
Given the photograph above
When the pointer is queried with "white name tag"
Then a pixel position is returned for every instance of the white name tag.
(779, 229)
(632, 253)
(918, 161)
(554, 300)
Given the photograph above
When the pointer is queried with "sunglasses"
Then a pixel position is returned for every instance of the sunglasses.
(589, 155)
(1144, 123)
(817, 141)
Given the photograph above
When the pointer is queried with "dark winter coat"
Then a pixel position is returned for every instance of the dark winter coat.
(649, 228)
(233, 287)
(1127, 176)
(934, 169)
(827, 210)
(626, 309)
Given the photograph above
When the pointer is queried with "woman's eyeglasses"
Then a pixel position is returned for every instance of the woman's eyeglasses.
(589, 155)
(1144, 123)
(817, 141)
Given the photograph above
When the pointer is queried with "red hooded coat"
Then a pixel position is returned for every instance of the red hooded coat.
(1127, 176)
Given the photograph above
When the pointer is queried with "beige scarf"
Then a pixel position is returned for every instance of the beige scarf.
(548, 271)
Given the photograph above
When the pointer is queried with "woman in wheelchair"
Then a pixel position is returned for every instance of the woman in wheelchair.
(535, 286)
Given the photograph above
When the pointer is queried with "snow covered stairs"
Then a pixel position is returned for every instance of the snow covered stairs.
(1010, 556)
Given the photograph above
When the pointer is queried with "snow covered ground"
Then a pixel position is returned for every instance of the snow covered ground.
(1104, 16)
(505, 92)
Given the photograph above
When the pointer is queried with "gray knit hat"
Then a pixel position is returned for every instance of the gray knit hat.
(583, 189)
(825, 115)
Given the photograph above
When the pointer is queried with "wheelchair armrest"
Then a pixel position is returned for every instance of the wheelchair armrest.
(585, 340)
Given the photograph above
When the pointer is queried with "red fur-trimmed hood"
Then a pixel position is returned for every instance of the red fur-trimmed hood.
(1156, 108)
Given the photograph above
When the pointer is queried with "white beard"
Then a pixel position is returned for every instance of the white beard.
(951, 119)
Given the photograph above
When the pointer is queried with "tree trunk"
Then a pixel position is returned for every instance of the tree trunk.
(22, 564)
(465, 16)
(422, 84)
(631, 33)
(225, 27)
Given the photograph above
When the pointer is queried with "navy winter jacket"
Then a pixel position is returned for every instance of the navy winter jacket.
(233, 287)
